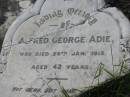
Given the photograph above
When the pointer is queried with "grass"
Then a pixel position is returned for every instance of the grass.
(116, 86)
(119, 87)
(64, 92)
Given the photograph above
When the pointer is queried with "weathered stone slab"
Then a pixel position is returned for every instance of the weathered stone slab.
(86, 5)
(64, 46)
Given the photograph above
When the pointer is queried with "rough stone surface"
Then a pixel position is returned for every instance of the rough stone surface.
(70, 44)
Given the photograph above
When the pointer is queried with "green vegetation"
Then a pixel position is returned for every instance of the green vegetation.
(116, 86)
(119, 87)
(64, 93)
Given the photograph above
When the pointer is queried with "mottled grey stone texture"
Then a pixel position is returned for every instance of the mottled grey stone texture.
(56, 43)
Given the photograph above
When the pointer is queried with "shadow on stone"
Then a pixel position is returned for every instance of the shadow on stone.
(119, 87)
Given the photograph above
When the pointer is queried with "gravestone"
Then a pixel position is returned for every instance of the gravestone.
(63, 44)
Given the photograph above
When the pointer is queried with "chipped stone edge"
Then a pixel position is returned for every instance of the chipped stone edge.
(35, 10)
